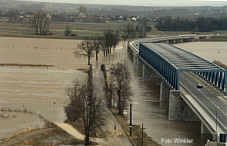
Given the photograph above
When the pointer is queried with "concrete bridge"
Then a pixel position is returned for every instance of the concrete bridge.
(194, 87)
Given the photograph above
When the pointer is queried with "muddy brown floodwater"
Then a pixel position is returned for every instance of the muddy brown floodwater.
(34, 75)
(209, 50)
(147, 108)
(41, 90)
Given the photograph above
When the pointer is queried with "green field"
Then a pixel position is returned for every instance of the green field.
(83, 30)
(57, 29)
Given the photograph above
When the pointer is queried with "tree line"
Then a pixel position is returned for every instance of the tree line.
(104, 43)
(135, 30)
(41, 22)
(201, 24)
(84, 105)
(117, 88)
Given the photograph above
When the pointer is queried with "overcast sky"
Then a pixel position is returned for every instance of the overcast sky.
(145, 2)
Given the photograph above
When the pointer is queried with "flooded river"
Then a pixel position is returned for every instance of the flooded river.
(42, 90)
(148, 109)
(209, 50)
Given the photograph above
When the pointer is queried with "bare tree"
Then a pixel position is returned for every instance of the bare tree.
(126, 93)
(35, 22)
(108, 40)
(92, 116)
(123, 91)
(97, 46)
(86, 46)
(82, 104)
(103, 45)
(110, 93)
(115, 39)
(108, 36)
(111, 39)
(41, 22)
(74, 108)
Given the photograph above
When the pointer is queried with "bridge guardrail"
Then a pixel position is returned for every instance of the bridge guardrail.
(204, 107)
(204, 120)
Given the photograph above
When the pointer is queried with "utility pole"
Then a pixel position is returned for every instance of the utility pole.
(142, 135)
(130, 120)
(217, 127)
(54, 105)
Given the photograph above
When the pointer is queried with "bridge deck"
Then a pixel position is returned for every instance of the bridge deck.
(180, 58)
(169, 61)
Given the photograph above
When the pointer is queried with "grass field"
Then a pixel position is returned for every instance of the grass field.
(83, 30)
(57, 29)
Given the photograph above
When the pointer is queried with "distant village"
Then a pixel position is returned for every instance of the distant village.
(81, 15)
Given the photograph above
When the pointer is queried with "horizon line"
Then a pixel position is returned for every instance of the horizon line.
(79, 3)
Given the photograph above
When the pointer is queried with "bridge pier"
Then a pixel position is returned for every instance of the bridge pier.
(179, 41)
(204, 130)
(178, 109)
(146, 71)
(188, 39)
(165, 41)
(164, 92)
(175, 105)
(172, 41)
(135, 61)
(139, 64)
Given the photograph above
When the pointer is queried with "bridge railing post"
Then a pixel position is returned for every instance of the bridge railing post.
(225, 83)
(178, 80)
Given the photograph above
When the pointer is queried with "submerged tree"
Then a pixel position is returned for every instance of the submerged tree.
(97, 46)
(110, 39)
(123, 91)
(86, 46)
(110, 93)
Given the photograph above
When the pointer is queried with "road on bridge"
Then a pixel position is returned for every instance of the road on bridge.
(208, 98)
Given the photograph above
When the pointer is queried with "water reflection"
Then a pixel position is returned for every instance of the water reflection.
(148, 109)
